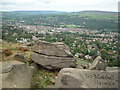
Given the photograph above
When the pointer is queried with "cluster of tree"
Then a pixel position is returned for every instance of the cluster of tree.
(81, 46)
(9, 31)
(76, 45)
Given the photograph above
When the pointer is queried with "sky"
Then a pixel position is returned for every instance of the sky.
(59, 5)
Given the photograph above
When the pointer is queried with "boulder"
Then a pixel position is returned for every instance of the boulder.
(98, 64)
(16, 74)
(20, 58)
(81, 78)
(53, 62)
(52, 55)
(50, 49)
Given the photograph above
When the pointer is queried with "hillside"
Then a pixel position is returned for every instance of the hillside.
(84, 19)
(13, 48)
(41, 74)
(42, 78)
(99, 14)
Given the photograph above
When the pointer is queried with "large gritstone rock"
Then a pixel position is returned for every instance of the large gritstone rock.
(53, 55)
(98, 64)
(16, 74)
(53, 62)
(20, 58)
(50, 49)
(81, 78)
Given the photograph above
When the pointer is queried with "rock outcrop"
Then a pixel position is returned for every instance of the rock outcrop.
(52, 56)
(16, 74)
(98, 64)
(50, 49)
(81, 78)
(20, 58)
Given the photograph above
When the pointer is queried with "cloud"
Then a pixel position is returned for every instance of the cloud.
(19, 2)
(60, 5)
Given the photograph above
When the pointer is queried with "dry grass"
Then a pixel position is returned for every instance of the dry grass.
(14, 48)
(43, 78)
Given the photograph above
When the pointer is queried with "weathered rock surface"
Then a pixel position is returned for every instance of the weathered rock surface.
(53, 62)
(112, 68)
(20, 58)
(46, 48)
(61, 45)
(1, 52)
(53, 55)
(16, 74)
(81, 78)
(98, 64)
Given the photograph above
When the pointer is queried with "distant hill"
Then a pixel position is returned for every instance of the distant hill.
(97, 14)
(40, 11)
(95, 11)
(87, 19)
(32, 12)
(86, 12)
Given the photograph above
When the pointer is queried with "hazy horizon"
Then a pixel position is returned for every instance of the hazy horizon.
(59, 5)
(58, 11)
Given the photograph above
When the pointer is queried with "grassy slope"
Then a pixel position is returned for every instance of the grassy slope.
(42, 78)
(90, 14)
(14, 48)
(99, 15)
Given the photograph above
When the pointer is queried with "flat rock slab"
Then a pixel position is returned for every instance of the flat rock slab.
(53, 62)
(16, 74)
(81, 78)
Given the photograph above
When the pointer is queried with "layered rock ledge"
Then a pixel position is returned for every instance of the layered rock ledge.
(53, 55)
